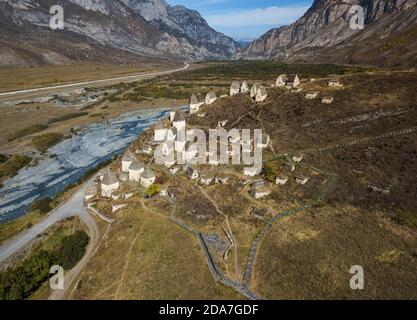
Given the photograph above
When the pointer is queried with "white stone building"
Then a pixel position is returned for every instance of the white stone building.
(172, 134)
(251, 171)
(210, 98)
(90, 193)
(160, 133)
(135, 171)
(245, 87)
(281, 180)
(334, 84)
(126, 162)
(254, 90)
(327, 100)
(195, 104)
(222, 123)
(259, 192)
(147, 178)
(192, 173)
(206, 180)
(281, 81)
(294, 81)
(312, 95)
(221, 180)
(261, 95)
(179, 121)
(297, 158)
(109, 184)
(234, 88)
(301, 180)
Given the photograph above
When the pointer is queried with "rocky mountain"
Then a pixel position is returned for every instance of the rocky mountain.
(324, 34)
(106, 29)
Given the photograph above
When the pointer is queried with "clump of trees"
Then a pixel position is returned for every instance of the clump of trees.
(20, 282)
(42, 205)
(270, 172)
(72, 249)
(11, 166)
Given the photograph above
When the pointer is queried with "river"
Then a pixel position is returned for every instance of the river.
(71, 159)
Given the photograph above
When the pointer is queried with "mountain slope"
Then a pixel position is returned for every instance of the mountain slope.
(324, 30)
(106, 30)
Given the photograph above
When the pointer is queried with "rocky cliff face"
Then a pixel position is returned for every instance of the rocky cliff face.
(150, 28)
(327, 23)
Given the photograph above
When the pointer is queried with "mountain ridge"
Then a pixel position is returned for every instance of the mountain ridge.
(147, 28)
(325, 25)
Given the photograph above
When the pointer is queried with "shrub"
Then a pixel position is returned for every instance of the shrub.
(46, 141)
(13, 165)
(3, 158)
(269, 172)
(42, 205)
(68, 117)
(20, 282)
(153, 190)
(72, 249)
(28, 131)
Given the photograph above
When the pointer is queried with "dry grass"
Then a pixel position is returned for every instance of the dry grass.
(25, 78)
(150, 258)
(309, 256)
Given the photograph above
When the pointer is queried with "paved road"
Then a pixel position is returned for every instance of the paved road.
(72, 207)
(78, 85)
(71, 275)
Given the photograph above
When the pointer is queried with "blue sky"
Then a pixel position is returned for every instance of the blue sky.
(247, 19)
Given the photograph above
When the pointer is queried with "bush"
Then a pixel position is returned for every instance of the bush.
(269, 172)
(20, 282)
(3, 158)
(28, 131)
(13, 165)
(72, 249)
(153, 190)
(46, 141)
(68, 117)
(42, 205)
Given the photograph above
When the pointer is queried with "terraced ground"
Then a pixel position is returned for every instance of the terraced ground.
(358, 207)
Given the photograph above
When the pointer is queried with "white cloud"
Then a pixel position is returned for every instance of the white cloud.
(257, 17)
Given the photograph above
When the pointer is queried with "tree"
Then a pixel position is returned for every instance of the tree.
(153, 190)
(269, 172)
(42, 205)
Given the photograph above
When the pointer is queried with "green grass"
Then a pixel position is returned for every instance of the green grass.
(263, 70)
(46, 141)
(13, 165)
(3, 158)
(28, 131)
(66, 117)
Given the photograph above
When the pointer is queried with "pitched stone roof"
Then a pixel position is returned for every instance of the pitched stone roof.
(235, 85)
(179, 116)
(283, 77)
(262, 91)
(109, 178)
(148, 173)
(211, 95)
(193, 99)
(136, 165)
(127, 157)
